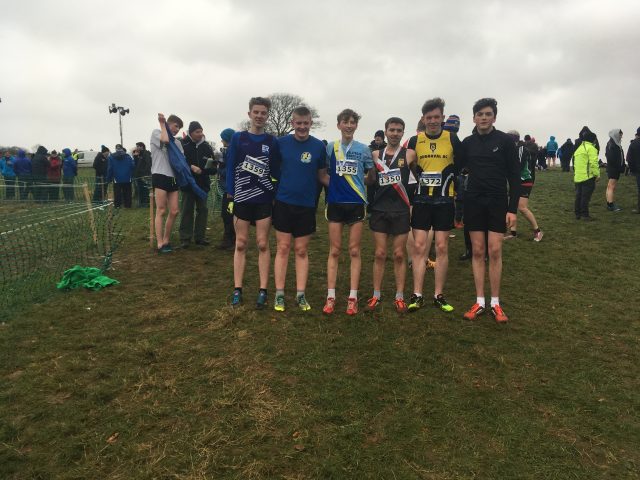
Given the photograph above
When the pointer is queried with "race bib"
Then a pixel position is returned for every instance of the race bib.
(253, 166)
(347, 167)
(431, 179)
(390, 177)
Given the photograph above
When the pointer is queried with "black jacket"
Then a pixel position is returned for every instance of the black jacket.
(633, 156)
(143, 164)
(100, 164)
(40, 163)
(198, 154)
(615, 157)
(492, 161)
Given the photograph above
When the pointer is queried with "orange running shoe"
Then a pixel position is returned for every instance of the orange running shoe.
(372, 304)
(474, 312)
(352, 306)
(431, 264)
(499, 314)
(329, 306)
(401, 306)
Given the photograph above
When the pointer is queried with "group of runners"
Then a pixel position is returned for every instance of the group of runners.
(275, 181)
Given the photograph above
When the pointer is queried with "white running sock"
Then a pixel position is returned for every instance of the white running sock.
(331, 293)
(353, 294)
(480, 301)
(495, 301)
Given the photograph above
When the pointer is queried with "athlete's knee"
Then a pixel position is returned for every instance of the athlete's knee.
(478, 251)
(241, 244)
(174, 211)
(495, 251)
(301, 251)
(283, 247)
(161, 210)
(398, 255)
(442, 248)
(334, 251)
(380, 254)
(263, 244)
(354, 251)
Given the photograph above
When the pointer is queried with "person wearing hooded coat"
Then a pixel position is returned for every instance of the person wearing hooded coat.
(565, 153)
(615, 166)
(100, 166)
(39, 167)
(9, 174)
(69, 173)
(120, 167)
(586, 173)
(22, 168)
(54, 174)
(552, 148)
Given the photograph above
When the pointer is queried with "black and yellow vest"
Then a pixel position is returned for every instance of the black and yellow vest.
(435, 155)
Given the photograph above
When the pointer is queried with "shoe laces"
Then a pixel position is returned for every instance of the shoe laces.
(400, 303)
(498, 310)
(373, 301)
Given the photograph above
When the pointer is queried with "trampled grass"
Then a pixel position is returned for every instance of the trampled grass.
(158, 378)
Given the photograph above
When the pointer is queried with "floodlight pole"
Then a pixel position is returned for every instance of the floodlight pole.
(121, 111)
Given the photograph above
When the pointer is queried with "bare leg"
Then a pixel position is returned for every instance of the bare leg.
(611, 190)
(419, 255)
(264, 254)
(335, 243)
(399, 263)
(495, 262)
(355, 236)
(161, 208)
(240, 255)
(430, 235)
(301, 245)
(523, 207)
(478, 247)
(410, 245)
(174, 210)
(442, 260)
(283, 242)
(380, 258)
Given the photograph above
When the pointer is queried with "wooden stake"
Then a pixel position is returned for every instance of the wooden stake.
(151, 219)
(92, 220)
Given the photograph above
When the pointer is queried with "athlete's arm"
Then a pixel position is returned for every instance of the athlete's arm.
(164, 136)
(512, 174)
(456, 144)
(411, 159)
(231, 165)
(370, 179)
(323, 177)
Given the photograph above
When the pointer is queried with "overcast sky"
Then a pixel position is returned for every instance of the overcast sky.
(553, 66)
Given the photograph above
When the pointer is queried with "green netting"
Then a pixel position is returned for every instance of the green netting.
(39, 241)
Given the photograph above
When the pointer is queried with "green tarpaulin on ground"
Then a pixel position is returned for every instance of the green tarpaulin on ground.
(87, 277)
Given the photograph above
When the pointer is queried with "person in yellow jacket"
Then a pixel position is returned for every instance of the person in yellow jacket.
(586, 173)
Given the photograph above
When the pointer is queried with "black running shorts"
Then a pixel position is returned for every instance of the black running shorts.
(391, 223)
(484, 213)
(347, 213)
(437, 216)
(252, 212)
(294, 219)
(163, 182)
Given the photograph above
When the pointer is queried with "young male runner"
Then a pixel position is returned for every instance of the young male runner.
(527, 179)
(492, 160)
(434, 153)
(346, 201)
(250, 191)
(390, 214)
(303, 162)
(165, 188)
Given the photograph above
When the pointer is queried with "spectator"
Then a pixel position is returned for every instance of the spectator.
(120, 170)
(633, 160)
(54, 174)
(552, 148)
(615, 166)
(228, 241)
(8, 173)
(586, 173)
(39, 167)
(22, 168)
(100, 166)
(69, 173)
(142, 173)
(199, 155)
(565, 153)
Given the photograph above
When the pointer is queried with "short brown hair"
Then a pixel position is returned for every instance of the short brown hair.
(346, 114)
(301, 111)
(432, 104)
(264, 101)
(175, 119)
(394, 120)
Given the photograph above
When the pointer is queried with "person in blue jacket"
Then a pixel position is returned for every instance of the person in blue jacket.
(69, 173)
(22, 167)
(9, 174)
(120, 166)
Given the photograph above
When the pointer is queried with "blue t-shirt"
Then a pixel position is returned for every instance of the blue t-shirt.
(249, 168)
(299, 165)
(340, 191)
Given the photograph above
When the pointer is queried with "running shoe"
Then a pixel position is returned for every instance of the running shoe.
(401, 306)
(329, 306)
(278, 305)
(474, 312)
(372, 304)
(415, 302)
(430, 263)
(499, 314)
(441, 303)
(352, 306)
(302, 303)
(261, 302)
(165, 249)
(509, 236)
(613, 208)
(537, 236)
(236, 298)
